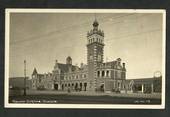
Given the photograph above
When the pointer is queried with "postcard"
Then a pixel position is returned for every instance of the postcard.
(85, 58)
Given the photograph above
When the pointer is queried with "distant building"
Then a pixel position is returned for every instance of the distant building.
(95, 76)
(144, 85)
(18, 82)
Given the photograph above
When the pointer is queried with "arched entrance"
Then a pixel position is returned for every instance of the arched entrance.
(56, 86)
(102, 87)
(85, 86)
(72, 86)
(62, 86)
(80, 86)
(76, 86)
(69, 85)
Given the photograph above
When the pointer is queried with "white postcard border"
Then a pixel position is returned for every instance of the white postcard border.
(95, 106)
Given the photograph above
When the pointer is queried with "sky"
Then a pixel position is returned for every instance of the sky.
(42, 38)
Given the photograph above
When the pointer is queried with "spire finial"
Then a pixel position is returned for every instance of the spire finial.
(95, 17)
(95, 23)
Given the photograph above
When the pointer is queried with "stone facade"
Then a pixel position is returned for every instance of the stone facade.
(95, 76)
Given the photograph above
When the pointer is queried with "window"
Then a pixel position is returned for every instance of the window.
(98, 73)
(119, 74)
(115, 74)
(107, 73)
(102, 73)
(39, 79)
(91, 57)
(118, 84)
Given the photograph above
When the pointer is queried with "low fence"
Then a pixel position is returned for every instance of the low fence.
(86, 93)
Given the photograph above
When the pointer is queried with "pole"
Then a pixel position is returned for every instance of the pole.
(24, 77)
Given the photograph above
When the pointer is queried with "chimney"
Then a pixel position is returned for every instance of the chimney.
(56, 64)
(123, 65)
(81, 65)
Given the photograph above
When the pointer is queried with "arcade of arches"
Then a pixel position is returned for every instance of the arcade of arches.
(72, 86)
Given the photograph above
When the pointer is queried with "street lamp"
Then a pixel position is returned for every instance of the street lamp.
(24, 77)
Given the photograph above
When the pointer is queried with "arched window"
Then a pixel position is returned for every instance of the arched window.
(102, 73)
(39, 79)
(107, 73)
(115, 74)
(98, 73)
(85, 86)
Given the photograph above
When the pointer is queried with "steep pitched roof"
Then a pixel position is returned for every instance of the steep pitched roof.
(65, 67)
(113, 64)
(110, 63)
(34, 72)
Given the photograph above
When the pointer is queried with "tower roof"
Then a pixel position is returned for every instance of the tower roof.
(69, 58)
(95, 23)
(95, 29)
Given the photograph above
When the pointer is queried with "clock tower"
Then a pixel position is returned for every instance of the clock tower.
(95, 45)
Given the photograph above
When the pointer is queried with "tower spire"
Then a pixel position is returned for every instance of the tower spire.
(95, 17)
(95, 23)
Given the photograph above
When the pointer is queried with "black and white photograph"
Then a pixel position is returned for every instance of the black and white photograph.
(85, 58)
